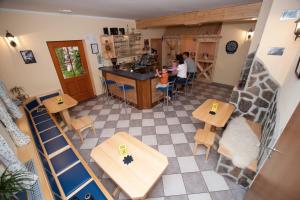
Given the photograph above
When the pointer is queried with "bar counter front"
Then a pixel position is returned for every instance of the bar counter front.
(144, 95)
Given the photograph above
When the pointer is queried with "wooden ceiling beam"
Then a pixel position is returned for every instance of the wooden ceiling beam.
(224, 14)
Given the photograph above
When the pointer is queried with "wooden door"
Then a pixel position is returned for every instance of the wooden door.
(71, 67)
(157, 45)
(279, 178)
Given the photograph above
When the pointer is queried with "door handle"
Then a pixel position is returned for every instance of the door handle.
(274, 149)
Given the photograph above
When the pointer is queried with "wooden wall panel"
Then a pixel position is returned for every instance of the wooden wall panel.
(156, 96)
(131, 94)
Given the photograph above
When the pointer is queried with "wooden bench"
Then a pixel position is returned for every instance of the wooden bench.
(256, 128)
(225, 166)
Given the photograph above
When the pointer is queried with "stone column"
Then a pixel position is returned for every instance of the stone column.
(18, 136)
(12, 108)
(12, 163)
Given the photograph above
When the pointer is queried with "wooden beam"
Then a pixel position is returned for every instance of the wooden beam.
(231, 13)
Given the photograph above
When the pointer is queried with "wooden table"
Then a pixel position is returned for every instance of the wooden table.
(137, 178)
(206, 136)
(219, 119)
(52, 106)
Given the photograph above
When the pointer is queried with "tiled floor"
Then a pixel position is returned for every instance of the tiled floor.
(170, 131)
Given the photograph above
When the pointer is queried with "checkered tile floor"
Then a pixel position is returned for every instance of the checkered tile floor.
(169, 130)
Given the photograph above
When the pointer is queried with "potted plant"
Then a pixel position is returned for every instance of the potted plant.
(19, 93)
(13, 183)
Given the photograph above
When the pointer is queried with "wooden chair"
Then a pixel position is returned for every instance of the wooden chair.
(82, 123)
(205, 138)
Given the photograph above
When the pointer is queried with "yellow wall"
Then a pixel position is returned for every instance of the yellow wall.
(228, 66)
(32, 31)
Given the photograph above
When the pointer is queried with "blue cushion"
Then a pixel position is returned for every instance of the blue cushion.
(45, 162)
(63, 160)
(45, 125)
(41, 118)
(126, 87)
(52, 183)
(93, 189)
(110, 82)
(73, 178)
(55, 144)
(32, 104)
(50, 133)
(42, 98)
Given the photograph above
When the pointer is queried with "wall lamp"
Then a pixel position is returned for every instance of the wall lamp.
(11, 39)
(250, 33)
(297, 29)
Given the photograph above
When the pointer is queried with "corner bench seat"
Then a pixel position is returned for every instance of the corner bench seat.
(256, 128)
(225, 166)
(68, 174)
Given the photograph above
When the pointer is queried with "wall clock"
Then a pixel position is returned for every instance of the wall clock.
(231, 46)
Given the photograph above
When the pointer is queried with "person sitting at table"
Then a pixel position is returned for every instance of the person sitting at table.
(163, 75)
(163, 82)
(191, 65)
(181, 70)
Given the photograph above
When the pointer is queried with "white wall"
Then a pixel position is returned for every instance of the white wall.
(33, 30)
(260, 25)
(281, 34)
(228, 66)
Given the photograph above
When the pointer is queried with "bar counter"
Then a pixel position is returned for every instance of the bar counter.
(144, 95)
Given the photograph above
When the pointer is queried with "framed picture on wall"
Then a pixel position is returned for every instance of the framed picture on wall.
(94, 48)
(28, 56)
(297, 70)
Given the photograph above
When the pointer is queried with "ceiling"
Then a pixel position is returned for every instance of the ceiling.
(129, 9)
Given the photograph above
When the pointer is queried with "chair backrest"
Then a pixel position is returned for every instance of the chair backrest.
(171, 85)
(47, 95)
(31, 104)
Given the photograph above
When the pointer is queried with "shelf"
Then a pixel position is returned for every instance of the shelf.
(205, 60)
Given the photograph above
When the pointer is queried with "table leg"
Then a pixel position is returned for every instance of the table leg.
(66, 117)
(207, 127)
(116, 191)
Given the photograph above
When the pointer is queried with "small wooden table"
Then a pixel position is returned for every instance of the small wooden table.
(137, 178)
(222, 115)
(52, 106)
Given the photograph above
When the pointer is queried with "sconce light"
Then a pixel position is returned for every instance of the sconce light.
(250, 33)
(297, 29)
(11, 39)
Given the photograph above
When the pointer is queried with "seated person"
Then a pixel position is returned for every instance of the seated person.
(181, 70)
(173, 66)
(163, 82)
(191, 65)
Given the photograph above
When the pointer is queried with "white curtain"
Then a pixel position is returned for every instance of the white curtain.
(11, 106)
(10, 160)
(18, 136)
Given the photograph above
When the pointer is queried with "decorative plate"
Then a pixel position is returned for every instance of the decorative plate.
(231, 47)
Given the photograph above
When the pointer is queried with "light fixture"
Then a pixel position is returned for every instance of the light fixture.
(297, 29)
(249, 34)
(11, 39)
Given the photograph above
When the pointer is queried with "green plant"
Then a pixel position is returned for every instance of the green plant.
(12, 183)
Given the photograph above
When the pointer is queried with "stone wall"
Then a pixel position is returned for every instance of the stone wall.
(253, 101)
(257, 101)
(243, 177)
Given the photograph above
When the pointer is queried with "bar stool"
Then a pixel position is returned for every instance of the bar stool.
(166, 90)
(125, 88)
(82, 123)
(106, 84)
(205, 138)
